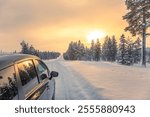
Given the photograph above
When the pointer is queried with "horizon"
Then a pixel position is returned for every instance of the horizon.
(51, 25)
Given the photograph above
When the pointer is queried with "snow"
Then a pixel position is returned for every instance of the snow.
(82, 80)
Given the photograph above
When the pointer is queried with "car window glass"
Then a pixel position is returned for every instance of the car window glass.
(41, 68)
(8, 84)
(27, 75)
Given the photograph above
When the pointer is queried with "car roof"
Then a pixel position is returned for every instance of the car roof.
(7, 60)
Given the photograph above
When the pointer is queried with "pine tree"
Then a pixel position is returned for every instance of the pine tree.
(106, 49)
(129, 52)
(109, 51)
(138, 19)
(79, 55)
(71, 51)
(113, 48)
(92, 49)
(87, 54)
(32, 50)
(137, 50)
(24, 47)
(122, 50)
(97, 50)
(76, 51)
(80, 50)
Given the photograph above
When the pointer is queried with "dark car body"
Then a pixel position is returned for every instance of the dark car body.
(25, 77)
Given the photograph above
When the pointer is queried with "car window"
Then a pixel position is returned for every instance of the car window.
(27, 75)
(42, 68)
(8, 84)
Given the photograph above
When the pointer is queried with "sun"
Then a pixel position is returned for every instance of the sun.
(94, 35)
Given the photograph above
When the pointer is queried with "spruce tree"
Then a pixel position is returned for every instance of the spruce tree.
(97, 50)
(129, 52)
(113, 48)
(122, 50)
(137, 50)
(24, 47)
(80, 50)
(106, 49)
(69, 52)
(92, 48)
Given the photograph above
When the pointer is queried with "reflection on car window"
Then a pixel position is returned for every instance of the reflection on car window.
(8, 84)
(27, 75)
(41, 68)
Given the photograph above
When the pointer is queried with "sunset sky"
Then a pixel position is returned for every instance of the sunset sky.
(52, 24)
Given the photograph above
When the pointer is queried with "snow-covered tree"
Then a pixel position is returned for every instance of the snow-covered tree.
(129, 59)
(33, 51)
(106, 49)
(80, 50)
(29, 49)
(138, 19)
(113, 48)
(122, 50)
(76, 51)
(92, 49)
(71, 51)
(97, 50)
(88, 54)
(24, 47)
(137, 50)
(128, 51)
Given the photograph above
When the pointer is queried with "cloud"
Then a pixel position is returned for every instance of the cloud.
(59, 20)
(18, 14)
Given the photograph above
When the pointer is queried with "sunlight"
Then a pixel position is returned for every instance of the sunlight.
(94, 35)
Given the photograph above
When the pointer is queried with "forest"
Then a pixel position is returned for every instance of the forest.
(126, 51)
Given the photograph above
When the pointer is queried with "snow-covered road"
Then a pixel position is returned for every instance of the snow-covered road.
(81, 80)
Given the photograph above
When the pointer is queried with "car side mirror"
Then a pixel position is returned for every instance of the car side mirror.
(53, 74)
(43, 76)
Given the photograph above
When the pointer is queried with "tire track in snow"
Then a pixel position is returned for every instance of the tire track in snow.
(70, 85)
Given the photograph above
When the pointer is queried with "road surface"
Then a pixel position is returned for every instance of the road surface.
(81, 80)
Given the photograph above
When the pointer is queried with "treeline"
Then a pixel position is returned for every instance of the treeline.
(77, 51)
(126, 51)
(29, 49)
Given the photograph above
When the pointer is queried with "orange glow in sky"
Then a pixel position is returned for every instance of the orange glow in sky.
(53, 24)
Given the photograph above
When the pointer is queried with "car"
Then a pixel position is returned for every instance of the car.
(25, 77)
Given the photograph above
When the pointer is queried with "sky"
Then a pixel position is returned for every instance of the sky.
(52, 24)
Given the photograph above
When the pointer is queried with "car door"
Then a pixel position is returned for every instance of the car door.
(8, 84)
(32, 88)
(44, 75)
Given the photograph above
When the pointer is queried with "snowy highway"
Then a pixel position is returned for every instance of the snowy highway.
(81, 80)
